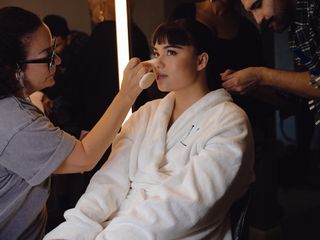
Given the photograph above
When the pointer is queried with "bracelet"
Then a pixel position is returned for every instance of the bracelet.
(315, 81)
(314, 105)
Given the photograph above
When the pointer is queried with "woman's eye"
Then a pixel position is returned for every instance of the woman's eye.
(155, 55)
(171, 53)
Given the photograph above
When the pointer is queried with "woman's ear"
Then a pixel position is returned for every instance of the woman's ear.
(203, 59)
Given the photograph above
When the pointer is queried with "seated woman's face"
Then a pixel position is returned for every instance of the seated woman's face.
(38, 75)
(177, 67)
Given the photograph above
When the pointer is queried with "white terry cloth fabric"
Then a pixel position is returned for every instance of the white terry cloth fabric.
(175, 183)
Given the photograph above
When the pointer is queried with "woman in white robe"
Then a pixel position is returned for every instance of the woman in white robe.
(179, 163)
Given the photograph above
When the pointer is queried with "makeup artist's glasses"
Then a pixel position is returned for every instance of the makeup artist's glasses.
(48, 60)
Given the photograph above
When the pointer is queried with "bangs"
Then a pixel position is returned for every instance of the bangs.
(185, 32)
(173, 34)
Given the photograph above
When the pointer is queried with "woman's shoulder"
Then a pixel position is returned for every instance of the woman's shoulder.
(148, 107)
(16, 105)
(17, 112)
(223, 106)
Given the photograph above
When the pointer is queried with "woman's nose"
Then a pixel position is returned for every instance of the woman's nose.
(159, 62)
(258, 17)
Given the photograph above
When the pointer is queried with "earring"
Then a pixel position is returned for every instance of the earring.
(19, 76)
(101, 11)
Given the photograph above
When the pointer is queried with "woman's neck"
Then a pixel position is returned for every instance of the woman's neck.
(185, 99)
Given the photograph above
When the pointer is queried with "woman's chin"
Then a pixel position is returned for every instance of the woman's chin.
(50, 82)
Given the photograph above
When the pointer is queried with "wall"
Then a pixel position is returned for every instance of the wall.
(75, 11)
(148, 15)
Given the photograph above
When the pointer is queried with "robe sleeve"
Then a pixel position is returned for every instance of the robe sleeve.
(103, 196)
(201, 189)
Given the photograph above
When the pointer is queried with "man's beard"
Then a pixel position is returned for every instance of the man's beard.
(283, 18)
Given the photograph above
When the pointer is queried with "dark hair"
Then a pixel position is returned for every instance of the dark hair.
(16, 25)
(57, 25)
(188, 32)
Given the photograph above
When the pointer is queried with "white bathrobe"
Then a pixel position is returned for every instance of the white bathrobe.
(175, 183)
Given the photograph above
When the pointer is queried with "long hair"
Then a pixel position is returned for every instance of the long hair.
(16, 25)
(189, 32)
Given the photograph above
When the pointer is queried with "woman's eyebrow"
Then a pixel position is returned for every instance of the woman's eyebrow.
(173, 46)
(169, 46)
(49, 48)
(46, 49)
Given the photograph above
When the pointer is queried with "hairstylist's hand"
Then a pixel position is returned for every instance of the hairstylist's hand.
(132, 74)
(241, 81)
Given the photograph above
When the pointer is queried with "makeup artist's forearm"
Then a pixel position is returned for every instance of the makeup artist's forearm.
(90, 149)
(101, 136)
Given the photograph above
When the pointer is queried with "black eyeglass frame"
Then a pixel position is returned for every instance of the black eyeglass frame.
(48, 60)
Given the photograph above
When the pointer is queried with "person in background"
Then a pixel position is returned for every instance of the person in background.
(100, 59)
(31, 147)
(303, 19)
(179, 162)
(62, 109)
(60, 31)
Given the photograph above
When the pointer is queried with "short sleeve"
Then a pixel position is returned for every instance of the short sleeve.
(36, 150)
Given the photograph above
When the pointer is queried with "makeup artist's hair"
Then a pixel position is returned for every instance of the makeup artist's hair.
(16, 25)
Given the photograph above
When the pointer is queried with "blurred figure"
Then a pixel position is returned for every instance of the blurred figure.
(102, 51)
(62, 109)
(59, 30)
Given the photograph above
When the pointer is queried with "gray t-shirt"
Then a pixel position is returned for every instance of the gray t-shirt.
(31, 148)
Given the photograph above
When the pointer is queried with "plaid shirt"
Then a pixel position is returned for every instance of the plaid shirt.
(304, 41)
(304, 36)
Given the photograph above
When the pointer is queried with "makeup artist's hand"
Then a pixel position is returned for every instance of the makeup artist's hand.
(132, 74)
(241, 81)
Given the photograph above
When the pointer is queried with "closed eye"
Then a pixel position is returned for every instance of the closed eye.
(257, 4)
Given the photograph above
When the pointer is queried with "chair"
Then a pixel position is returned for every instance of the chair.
(239, 217)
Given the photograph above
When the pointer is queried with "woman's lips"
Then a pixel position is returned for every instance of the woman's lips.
(161, 76)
